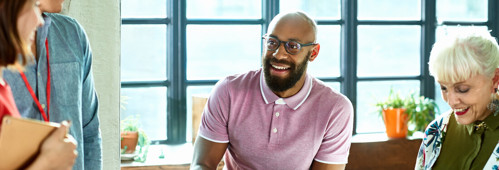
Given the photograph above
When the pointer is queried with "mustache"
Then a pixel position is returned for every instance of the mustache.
(282, 61)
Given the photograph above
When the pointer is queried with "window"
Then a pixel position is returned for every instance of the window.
(172, 50)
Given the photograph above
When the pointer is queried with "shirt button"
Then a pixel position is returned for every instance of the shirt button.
(275, 130)
(43, 106)
(39, 74)
(277, 114)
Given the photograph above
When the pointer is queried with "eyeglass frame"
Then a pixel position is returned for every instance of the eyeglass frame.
(265, 37)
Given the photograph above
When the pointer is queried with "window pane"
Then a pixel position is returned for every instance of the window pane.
(150, 105)
(143, 52)
(143, 8)
(199, 91)
(389, 10)
(445, 30)
(442, 105)
(226, 9)
(462, 10)
(334, 85)
(369, 93)
(388, 51)
(327, 63)
(317, 9)
(216, 51)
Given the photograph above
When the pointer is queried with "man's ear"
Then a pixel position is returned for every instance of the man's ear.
(495, 80)
(315, 52)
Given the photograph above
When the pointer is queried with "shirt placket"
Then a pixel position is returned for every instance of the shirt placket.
(275, 129)
(41, 83)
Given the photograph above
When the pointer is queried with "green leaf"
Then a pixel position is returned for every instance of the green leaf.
(420, 110)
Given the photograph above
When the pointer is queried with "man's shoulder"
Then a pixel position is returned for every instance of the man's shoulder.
(60, 20)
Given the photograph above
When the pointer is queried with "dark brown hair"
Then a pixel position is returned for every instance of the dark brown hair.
(11, 44)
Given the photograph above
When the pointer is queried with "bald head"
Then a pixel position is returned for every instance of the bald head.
(295, 18)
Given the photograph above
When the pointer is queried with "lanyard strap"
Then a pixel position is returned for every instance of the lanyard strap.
(42, 112)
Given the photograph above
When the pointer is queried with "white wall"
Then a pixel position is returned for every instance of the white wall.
(101, 20)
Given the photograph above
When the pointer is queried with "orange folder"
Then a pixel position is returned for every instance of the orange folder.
(20, 141)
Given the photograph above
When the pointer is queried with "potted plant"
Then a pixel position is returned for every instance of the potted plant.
(394, 115)
(421, 110)
(132, 135)
(400, 113)
(129, 134)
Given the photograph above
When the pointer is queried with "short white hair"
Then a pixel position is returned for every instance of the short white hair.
(465, 53)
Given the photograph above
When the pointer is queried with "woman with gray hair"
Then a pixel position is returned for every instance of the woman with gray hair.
(466, 137)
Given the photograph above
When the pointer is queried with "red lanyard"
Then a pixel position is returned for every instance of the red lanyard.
(42, 112)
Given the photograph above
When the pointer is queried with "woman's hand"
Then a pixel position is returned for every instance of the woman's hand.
(58, 151)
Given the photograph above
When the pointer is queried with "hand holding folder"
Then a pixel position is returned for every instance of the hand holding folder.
(21, 140)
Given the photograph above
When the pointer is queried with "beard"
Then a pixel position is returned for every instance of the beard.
(278, 84)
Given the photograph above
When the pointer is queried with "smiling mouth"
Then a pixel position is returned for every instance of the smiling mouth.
(279, 67)
(461, 111)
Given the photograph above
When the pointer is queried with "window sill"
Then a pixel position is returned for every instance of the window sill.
(175, 157)
(381, 137)
(180, 156)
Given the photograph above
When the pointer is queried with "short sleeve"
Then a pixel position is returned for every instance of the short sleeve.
(213, 126)
(335, 146)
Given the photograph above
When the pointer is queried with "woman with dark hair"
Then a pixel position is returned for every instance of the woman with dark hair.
(18, 22)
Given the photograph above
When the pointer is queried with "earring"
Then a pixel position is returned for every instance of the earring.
(494, 103)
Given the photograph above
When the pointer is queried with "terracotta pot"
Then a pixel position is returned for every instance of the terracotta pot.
(129, 139)
(395, 122)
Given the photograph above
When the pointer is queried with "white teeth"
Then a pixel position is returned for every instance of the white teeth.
(279, 68)
(460, 110)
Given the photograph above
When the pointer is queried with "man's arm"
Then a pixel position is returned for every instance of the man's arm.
(207, 154)
(92, 140)
(322, 166)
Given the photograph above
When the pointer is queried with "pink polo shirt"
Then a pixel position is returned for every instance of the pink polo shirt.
(268, 132)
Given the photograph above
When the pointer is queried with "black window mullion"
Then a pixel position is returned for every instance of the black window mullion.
(381, 22)
(463, 23)
(201, 82)
(176, 70)
(392, 78)
(138, 84)
(348, 57)
(225, 21)
(137, 21)
(493, 17)
(427, 85)
(270, 8)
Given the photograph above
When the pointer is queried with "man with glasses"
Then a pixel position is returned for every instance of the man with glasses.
(277, 117)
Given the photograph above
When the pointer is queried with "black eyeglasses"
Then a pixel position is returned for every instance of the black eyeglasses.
(292, 47)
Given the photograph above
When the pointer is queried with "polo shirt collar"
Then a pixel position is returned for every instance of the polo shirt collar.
(294, 102)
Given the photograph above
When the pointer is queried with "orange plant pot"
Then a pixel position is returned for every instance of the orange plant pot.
(129, 139)
(395, 122)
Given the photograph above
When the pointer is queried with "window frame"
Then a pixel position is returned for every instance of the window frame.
(177, 83)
